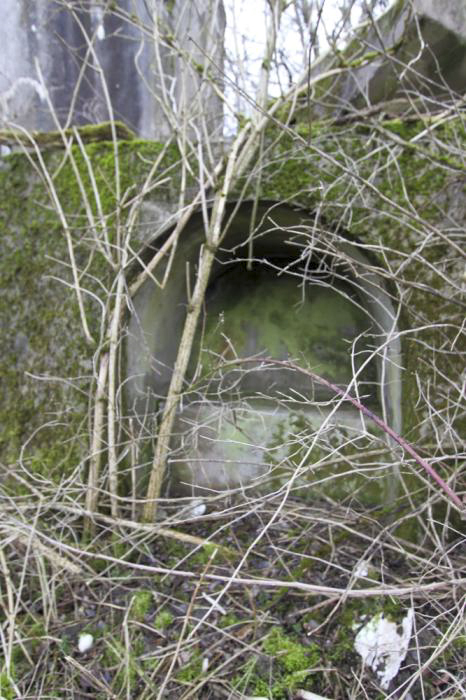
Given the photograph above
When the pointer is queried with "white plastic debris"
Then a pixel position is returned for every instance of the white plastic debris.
(362, 569)
(196, 508)
(85, 642)
(307, 695)
(382, 648)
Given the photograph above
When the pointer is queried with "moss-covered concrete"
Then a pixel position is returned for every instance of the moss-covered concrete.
(397, 187)
(399, 194)
(90, 133)
(46, 365)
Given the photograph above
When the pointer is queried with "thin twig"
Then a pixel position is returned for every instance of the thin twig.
(414, 589)
(96, 441)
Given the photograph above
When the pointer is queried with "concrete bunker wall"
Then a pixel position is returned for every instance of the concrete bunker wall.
(410, 218)
(88, 62)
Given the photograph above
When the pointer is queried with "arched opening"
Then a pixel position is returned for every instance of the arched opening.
(283, 292)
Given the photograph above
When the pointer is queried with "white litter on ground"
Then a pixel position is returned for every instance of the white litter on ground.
(382, 648)
(362, 569)
(85, 642)
(196, 508)
(307, 695)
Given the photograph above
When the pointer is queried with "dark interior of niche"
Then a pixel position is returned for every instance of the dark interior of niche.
(325, 269)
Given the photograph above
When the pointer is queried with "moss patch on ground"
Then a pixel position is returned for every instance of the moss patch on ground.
(256, 640)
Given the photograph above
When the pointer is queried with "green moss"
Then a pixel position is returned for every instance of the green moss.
(228, 620)
(163, 620)
(45, 362)
(7, 691)
(453, 654)
(192, 671)
(290, 666)
(141, 604)
(54, 139)
(250, 681)
(291, 656)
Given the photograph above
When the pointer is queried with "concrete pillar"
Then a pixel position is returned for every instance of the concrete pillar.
(91, 55)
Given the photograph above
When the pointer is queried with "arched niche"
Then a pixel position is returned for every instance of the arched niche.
(283, 288)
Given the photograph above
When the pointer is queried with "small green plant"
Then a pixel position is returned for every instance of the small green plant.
(228, 620)
(192, 670)
(140, 605)
(163, 620)
(290, 655)
(6, 688)
(124, 663)
(291, 666)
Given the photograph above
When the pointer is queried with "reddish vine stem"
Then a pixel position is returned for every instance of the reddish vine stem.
(367, 412)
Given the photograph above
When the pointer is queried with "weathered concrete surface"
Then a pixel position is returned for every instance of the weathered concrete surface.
(415, 52)
(398, 188)
(81, 59)
(292, 305)
(451, 14)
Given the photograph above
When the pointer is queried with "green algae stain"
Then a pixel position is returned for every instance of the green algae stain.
(261, 314)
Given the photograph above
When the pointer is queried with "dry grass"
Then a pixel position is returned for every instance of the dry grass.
(265, 603)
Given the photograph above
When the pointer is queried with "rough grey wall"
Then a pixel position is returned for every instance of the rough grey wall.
(416, 51)
(450, 13)
(77, 45)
